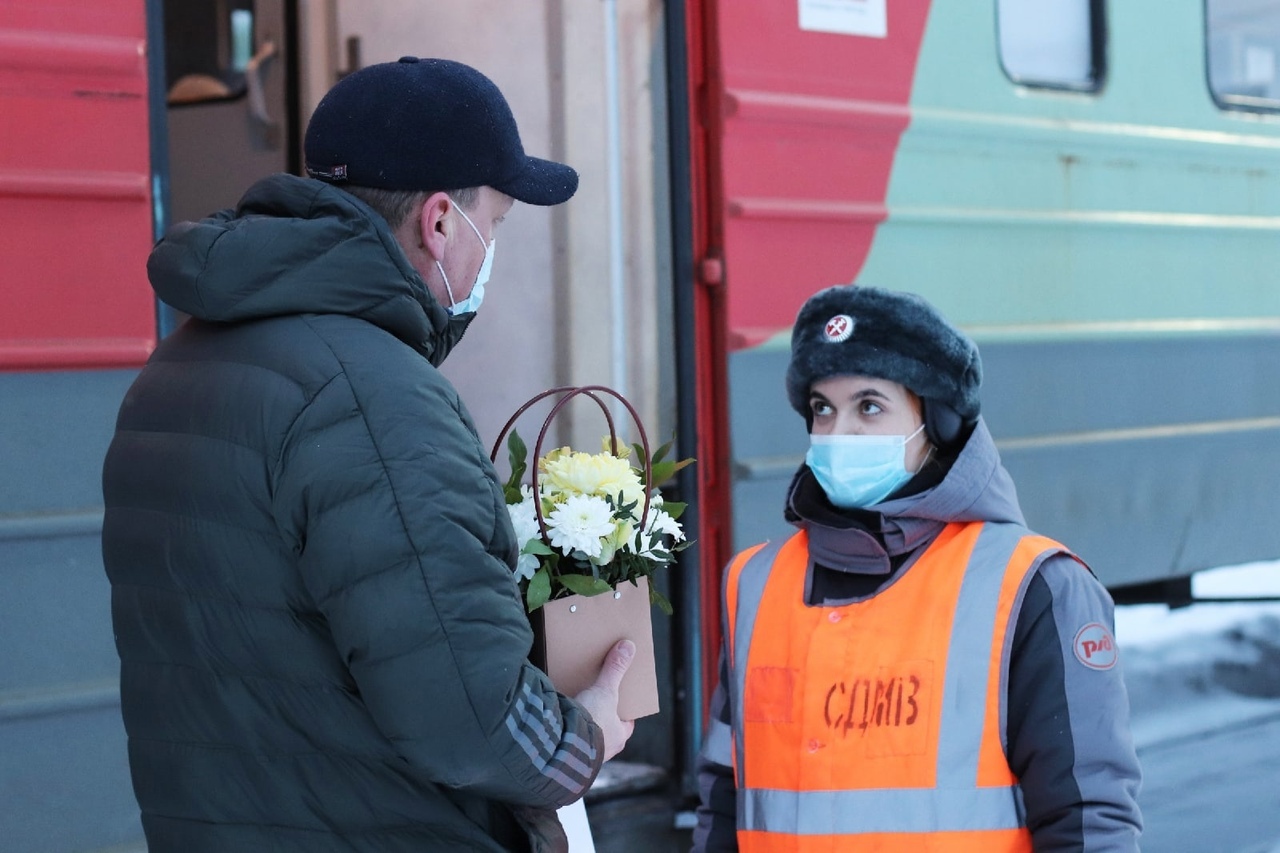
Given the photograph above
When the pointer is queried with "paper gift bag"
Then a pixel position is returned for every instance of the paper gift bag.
(573, 635)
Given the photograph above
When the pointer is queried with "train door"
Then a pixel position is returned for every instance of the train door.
(84, 164)
(797, 110)
(73, 158)
(230, 107)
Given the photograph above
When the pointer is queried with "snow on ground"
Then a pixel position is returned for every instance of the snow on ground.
(1141, 625)
(1220, 659)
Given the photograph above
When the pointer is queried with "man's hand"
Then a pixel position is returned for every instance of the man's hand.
(601, 699)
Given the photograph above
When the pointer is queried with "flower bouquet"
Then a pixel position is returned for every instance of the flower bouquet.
(593, 529)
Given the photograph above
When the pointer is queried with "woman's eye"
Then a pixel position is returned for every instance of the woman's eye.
(820, 408)
(870, 408)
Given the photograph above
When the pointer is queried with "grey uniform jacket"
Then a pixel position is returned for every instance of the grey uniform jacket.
(321, 644)
(1067, 726)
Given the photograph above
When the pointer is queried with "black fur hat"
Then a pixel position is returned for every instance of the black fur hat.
(427, 124)
(868, 331)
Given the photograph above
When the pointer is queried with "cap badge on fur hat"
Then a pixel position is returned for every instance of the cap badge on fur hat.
(838, 329)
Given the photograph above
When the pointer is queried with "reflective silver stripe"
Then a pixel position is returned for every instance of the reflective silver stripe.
(899, 810)
(717, 746)
(964, 691)
(751, 581)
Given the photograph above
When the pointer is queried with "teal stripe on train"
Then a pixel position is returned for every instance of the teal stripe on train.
(1011, 206)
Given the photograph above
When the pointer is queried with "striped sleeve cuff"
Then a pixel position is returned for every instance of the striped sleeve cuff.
(564, 757)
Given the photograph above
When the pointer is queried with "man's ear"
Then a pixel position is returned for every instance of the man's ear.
(434, 227)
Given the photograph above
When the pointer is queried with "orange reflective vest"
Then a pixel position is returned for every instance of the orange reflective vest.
(878, 725)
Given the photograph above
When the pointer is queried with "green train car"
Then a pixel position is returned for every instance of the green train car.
(1090, 189)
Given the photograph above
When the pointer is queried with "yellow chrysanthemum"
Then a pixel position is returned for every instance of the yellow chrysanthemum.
(620, 538)
(624, 449)
(600, 474)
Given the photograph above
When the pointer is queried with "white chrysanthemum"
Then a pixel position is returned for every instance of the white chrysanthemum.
(526, 567)
(525, 522)
(579, 524)
(668, 526)
(661, 523)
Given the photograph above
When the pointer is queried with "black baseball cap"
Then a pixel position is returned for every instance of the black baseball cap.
(427, 124)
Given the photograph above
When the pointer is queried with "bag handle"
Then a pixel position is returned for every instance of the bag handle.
(568, 392)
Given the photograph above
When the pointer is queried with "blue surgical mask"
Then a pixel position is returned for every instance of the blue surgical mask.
(471, 304)
(858, 471)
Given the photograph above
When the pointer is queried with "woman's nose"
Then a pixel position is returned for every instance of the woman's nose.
(847, 425)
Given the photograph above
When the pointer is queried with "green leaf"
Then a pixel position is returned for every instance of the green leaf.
(539, 591)
(668, 470)
(583, 585)
(622, 510)
(662, 472)
(537, 546)
(659, 599)
(517, 452)
(675, 509)
(638, 450)
(581, 559)
(661, 452)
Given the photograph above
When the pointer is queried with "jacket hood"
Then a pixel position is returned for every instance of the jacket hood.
(976, 488)
(296, 246)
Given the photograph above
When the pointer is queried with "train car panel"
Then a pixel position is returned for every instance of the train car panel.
(72, 75)
(1140, 203)
(809, 132)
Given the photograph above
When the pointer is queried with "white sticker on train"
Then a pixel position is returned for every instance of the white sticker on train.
(849, 17)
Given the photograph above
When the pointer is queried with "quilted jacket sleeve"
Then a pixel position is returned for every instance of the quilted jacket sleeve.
(403, 539)
(1068, 718)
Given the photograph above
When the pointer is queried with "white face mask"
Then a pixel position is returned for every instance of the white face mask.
(471, 304)
(858, 471)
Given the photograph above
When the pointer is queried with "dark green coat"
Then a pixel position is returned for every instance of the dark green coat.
(322, 647)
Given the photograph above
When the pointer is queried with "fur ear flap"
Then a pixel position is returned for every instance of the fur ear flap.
(942, 424)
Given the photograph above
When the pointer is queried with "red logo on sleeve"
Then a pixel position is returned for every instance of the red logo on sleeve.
(1095, 647)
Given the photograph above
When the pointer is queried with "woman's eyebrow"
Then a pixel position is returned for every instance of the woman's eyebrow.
(856, 395)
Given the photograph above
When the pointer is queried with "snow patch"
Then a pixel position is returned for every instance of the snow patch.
(1220, 659)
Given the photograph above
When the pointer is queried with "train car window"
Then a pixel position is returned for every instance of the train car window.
(208, 47)
(1056, 44)
(1242, 40)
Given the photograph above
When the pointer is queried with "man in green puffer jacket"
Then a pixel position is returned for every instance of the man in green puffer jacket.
(322, 647)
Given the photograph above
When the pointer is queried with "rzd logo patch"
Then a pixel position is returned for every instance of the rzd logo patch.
(838, 329)
(1095, 647)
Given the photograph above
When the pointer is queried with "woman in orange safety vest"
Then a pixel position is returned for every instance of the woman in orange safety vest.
(914, 669)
